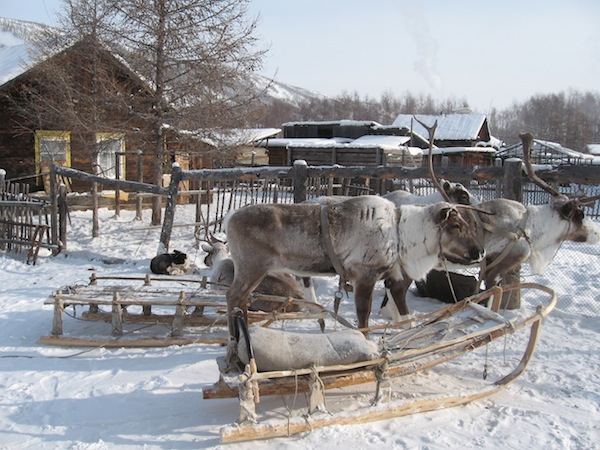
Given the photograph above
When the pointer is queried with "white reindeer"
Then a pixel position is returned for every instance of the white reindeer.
(514, 234)
(447, 191)
(363, 239)
(454, 193)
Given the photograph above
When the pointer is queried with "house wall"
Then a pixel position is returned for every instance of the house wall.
(17, 133)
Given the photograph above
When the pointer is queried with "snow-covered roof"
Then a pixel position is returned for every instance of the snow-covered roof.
(593, 149)
(450, 127)
(236, 136)
(342, 122)
(451, 150)
(309, 142)
(15, 56)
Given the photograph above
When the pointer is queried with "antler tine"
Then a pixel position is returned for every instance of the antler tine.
(587, 201)
(527, 140)
(431, 131)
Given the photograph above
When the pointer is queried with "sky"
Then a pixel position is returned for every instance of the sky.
(490, 53)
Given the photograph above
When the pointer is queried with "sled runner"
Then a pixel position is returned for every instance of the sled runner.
(373, 373)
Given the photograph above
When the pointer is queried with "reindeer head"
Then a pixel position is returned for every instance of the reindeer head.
(578, 228)
(457, 193)
(458, 237)
(213, 247)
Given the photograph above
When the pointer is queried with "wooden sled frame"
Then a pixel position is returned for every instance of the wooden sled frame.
(193, 292)
(252, 384)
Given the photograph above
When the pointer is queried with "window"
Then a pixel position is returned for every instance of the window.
(52, 147)
(110, 145)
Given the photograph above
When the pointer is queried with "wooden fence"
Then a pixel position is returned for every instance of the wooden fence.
(299, 182)
(306, 181)
(24, 220)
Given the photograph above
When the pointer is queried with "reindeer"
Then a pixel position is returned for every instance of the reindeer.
(363, 239)
(514, 234)
(454, 193)
(278, 284)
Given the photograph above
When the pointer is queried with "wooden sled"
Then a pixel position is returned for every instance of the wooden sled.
(168, 300)
(434, 338)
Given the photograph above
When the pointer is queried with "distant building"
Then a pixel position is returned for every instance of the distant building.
(552, 153)
(453, 130)
(354, 142)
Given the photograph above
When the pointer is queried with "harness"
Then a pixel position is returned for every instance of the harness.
(513, 237)
(328, 245)
(333, 257)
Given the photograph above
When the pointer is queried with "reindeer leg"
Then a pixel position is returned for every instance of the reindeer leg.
(397, 289)
(244, 282)
(363, 297)
(309, 289)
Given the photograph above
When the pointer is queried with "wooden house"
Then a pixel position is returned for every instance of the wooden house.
(453, 130)
(369, 150)
(30, 142)
(351, 129)
(351, 142)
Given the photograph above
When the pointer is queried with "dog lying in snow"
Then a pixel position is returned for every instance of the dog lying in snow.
(175, 263)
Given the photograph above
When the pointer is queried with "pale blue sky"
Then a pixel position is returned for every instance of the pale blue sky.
(491, 53)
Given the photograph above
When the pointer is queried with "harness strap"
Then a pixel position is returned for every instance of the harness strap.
(514, 236)
(328, 245)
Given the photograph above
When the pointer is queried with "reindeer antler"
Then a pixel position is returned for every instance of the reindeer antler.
(431, 131)
(527, 140)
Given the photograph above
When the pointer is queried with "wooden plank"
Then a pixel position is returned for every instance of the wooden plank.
(69, 341)
(158, 318)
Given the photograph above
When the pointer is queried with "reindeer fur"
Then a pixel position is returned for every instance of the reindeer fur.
(280, 284)
(371, 238)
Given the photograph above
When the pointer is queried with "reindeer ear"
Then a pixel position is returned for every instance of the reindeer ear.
(446, 186)
(207, 247)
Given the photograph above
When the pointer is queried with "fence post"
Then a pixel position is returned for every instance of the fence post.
(300, 180)
(513, 179)
(512, 190)
(54, 210)
(167, 227)
(140, 178)
(117, 177)
(63, 212)
(498, 163)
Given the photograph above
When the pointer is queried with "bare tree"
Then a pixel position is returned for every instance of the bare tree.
(75, 85)
(197, 54)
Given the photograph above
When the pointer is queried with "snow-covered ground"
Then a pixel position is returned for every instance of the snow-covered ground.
(73, 398)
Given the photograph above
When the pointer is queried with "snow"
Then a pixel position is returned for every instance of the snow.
(99, 398)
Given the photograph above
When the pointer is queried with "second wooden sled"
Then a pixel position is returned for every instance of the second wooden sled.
(161, 299)
(434, 338)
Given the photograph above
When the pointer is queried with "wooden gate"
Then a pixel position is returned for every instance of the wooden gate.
(24, 220)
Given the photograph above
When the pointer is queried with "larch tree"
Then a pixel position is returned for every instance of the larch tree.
(198, 55)
(75, 86)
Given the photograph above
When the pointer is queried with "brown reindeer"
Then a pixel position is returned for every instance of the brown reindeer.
(363, 239)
